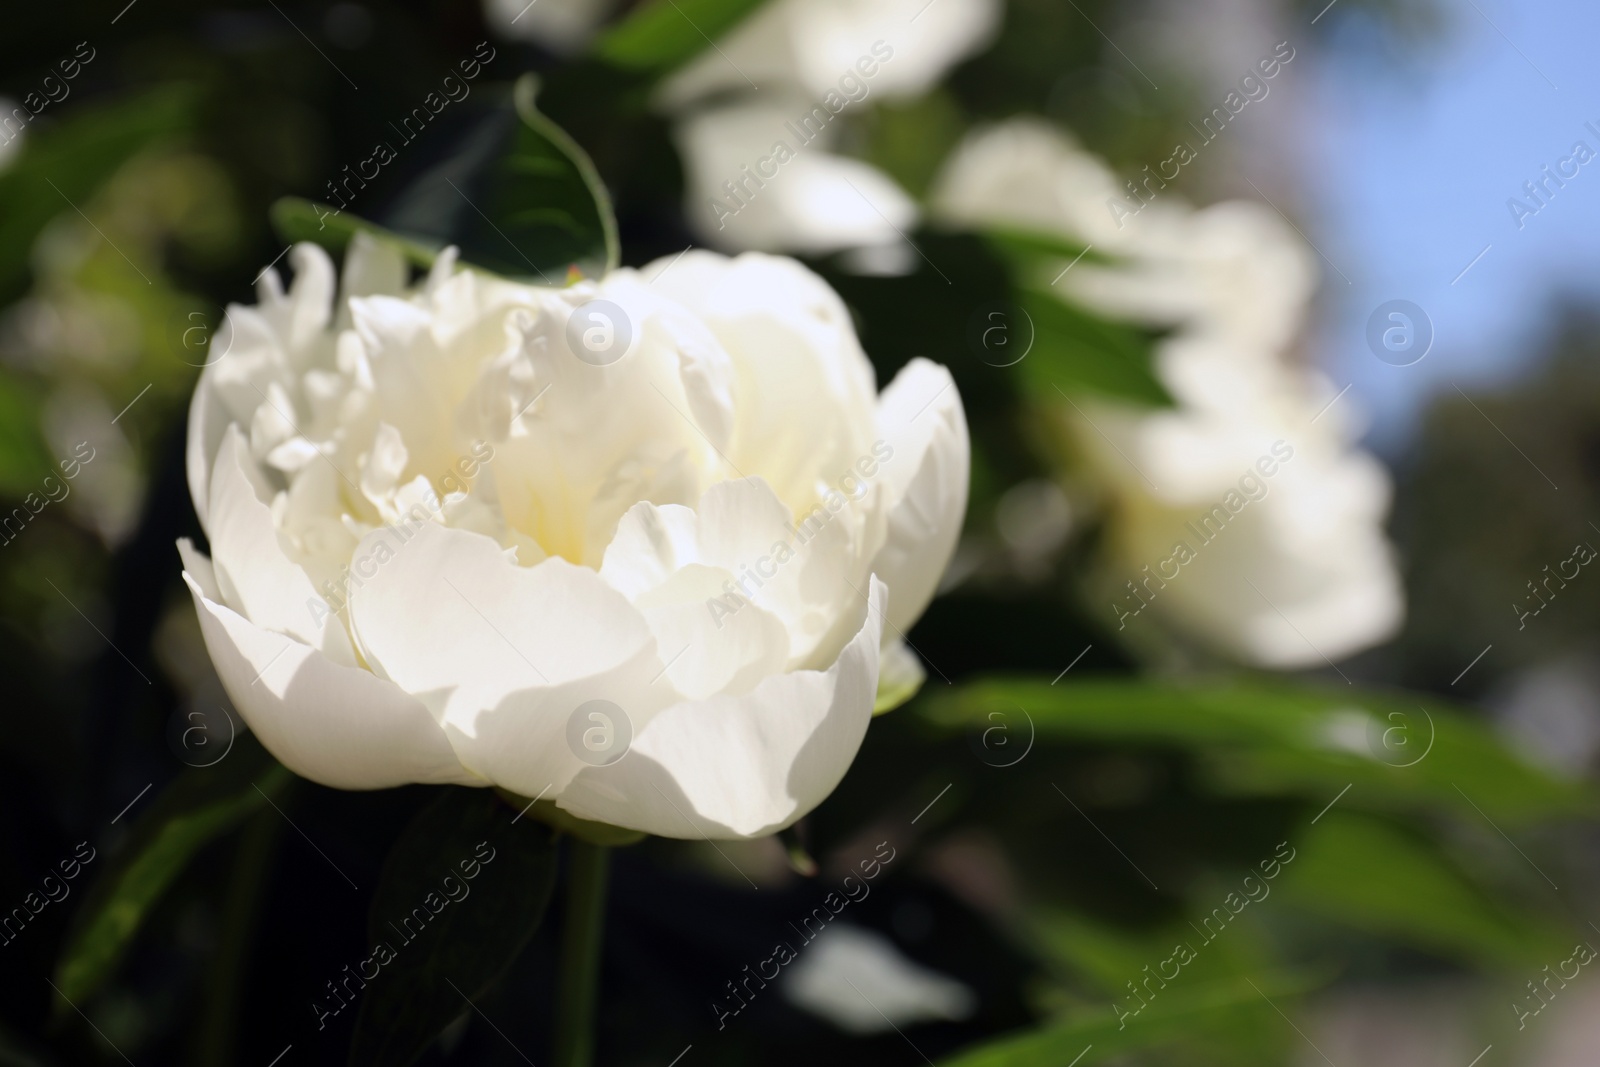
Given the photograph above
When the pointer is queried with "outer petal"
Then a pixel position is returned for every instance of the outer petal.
(562, 26)
(503, 655)
(341, 726)
(921, 417)
(794, 349)
(208, 419)
(709, 647)
(742, 766)
(256, 577)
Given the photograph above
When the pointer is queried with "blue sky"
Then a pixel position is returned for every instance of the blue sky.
(1414, 165)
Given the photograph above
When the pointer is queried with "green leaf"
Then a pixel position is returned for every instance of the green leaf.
(196, 809)
(519, 197)
(1097, 1037)
(1109, 956)
(296, 220)
(662, 34)
(24, 460)
(463, 890)
(1261, 736)
(1376, 877)
(1028, 250)
(62, 166)
(1075, 352)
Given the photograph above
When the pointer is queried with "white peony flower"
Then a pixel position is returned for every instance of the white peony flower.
(11, 133)
(761, 172)
(1026, 174)
(1259, 536)
(860, 981)
(563, 26)
(753, 183)
(447, 520)
(1294, 570)
(811, 44)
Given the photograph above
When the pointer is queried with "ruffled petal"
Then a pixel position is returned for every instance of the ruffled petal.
(254, 574)
(502, 655)
(745, 766)
(341, 726)
(921, 418)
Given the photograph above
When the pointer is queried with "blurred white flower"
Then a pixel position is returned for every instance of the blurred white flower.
(811, 60)
(1294, 568)
(810, 44)
(109, 490)
(859, 981)
(11, 133)
(476, 531)
(1026, 174)
(563, 26)
(752, 183)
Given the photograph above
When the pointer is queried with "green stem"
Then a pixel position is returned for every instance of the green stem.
(580, 953)
(251, 866)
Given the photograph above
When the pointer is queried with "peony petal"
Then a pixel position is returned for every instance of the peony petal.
(502, 655)
(794, 348)
(741, 766)
(197, 565)
(809, 575)
(921, 417)
(208, 420)
(711, 642)
(340, 726)
(371, 268)
(651, 543)
(304, 314)
(254, 573)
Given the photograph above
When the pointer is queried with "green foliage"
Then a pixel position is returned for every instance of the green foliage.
(296, 220)
(1232, 1012)
(520, 198)
(1377, 877)
(202, 805)
(24, 461)
(1075, 351)
(465, 944)
(1260, 736)
(64, 165)
(911, 139)
(663, 34)
(1364, 782)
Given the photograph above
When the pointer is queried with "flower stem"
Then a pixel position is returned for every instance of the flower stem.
(580, 953)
